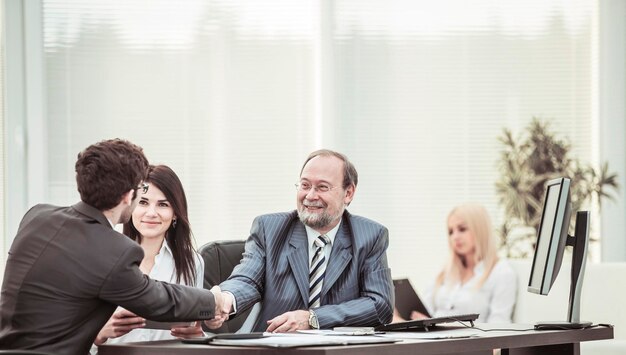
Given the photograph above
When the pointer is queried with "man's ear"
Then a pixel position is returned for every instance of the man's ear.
(349, 194)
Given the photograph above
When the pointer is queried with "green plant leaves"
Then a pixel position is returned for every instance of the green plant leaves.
(526, 163)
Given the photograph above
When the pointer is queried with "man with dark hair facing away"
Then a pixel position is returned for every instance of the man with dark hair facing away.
(68, 269)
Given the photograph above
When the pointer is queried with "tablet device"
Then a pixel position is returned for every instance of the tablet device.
(151, 324)
(407, 300)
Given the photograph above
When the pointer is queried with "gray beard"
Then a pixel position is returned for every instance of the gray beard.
(317, 221)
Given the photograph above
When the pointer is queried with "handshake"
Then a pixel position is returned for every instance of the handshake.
(287, 322)
(223, 308)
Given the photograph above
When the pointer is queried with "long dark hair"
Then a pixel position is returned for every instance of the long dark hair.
(178, 238)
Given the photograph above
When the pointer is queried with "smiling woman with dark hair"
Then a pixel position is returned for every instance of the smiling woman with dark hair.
(168, 221)
(160, 224)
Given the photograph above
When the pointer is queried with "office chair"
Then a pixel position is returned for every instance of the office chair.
(220, 258)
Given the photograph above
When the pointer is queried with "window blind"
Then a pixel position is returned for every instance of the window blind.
(234, 94)
(4, 240)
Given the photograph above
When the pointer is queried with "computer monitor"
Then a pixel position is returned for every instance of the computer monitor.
(552, 238)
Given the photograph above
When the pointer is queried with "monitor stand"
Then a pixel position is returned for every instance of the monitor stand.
(579, 243)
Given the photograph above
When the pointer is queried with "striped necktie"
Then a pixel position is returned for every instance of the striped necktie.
(318, 269)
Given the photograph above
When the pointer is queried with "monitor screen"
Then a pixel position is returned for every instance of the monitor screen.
(551, 236)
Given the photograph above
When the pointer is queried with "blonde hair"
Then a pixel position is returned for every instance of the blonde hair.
(479, 224)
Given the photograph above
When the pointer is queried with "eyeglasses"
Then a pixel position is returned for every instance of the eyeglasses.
(143, 187)
(321, 188)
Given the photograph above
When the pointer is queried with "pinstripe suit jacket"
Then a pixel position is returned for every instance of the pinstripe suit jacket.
(357, 289)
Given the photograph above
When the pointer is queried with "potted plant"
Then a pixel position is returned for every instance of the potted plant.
(526, 163)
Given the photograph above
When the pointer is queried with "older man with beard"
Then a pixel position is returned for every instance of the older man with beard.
(318, 266)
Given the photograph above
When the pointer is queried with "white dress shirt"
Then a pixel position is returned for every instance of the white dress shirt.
(494, 301)
(312, 234)
(163, 270)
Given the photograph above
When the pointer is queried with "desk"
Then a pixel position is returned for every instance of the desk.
(554, 342)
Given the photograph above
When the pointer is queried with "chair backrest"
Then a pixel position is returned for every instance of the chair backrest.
(220, 258)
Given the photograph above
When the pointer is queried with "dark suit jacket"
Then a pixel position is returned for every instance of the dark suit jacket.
(66, 272)
(357, 288)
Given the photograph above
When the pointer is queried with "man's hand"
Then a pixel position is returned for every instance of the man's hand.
(289, 322)
(221, 312)
(120, 323)
(219, 300)
(192, 331)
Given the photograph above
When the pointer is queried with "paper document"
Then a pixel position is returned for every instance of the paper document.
(341, 331)
(292, 340)
(437, 334)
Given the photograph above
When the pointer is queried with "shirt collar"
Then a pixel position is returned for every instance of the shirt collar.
(165, 247)
(312, 234)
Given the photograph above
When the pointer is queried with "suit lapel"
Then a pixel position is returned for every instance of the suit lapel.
(298, 259)
(339, 257)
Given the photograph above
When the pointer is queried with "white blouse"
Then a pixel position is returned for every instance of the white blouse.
(163, 270)
(494, 301)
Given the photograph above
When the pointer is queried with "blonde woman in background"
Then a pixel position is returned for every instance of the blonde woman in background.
(474, 279)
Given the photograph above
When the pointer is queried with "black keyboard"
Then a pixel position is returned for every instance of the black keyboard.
(424, 324)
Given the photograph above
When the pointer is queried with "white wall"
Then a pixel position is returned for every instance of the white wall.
(612, 134)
